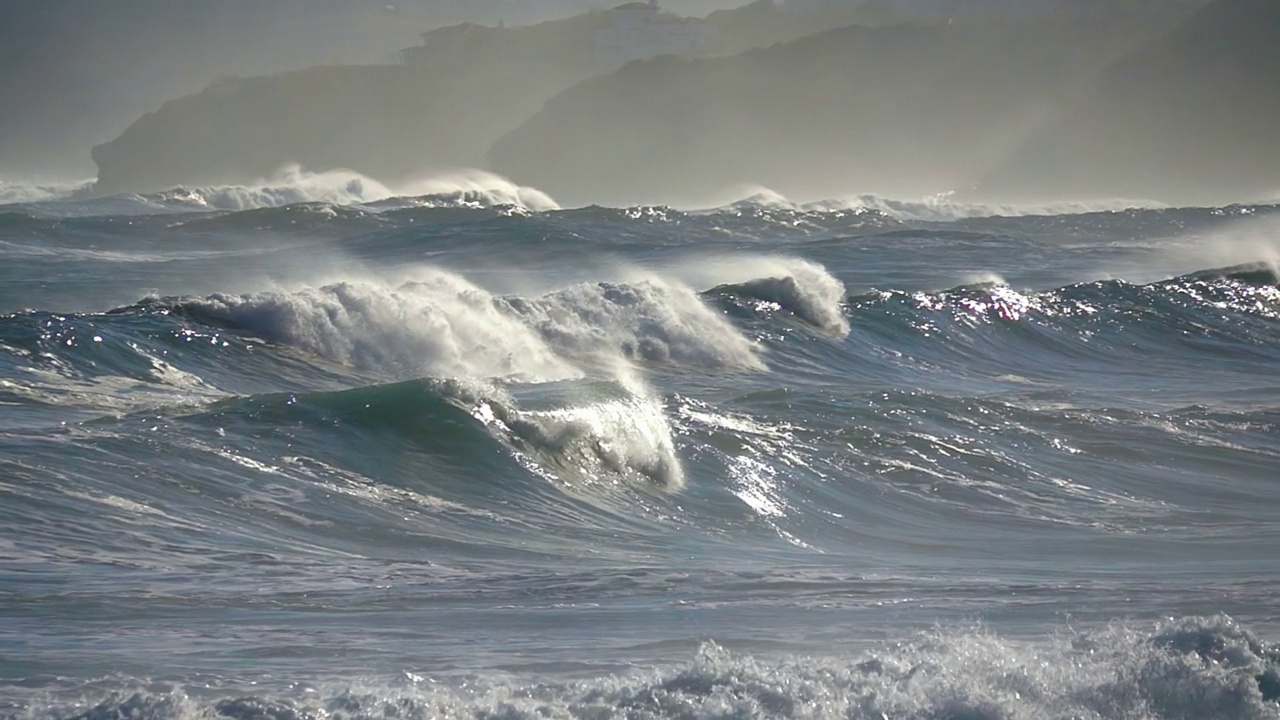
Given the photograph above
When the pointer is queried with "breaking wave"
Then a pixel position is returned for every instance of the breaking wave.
(1186, 668)
(800, 287)
(441, 324)
(13, 193)
(938, 208)
(292, 185)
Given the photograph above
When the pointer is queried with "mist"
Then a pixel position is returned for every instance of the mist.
(681, 102)
(76, 73)
(1080, 102)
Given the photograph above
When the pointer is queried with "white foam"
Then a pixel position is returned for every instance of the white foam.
(477, 188)
(652, 319)
(12, 191)
(935, 208)
(292, 185)
(630, 437)
(985, 278)
(802, 287)
(1191, 668)
(112, 394)
(439, 324)
(944, 208)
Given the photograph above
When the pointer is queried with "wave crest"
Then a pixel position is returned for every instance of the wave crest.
(438, 325)
(1189, 668)
(943, 207)
(652, 320)
(802, 288)
(628, 436)
(12, 193)
(292, 185)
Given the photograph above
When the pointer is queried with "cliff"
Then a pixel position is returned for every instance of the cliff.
(468, 86)
(1191, 119)
(900, 109)
(74, 73)
(459, 91)
(904, 110)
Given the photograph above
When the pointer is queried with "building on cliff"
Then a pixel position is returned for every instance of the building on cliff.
(1004, 9)
(641, 30)
(444, 42)
(633, 31)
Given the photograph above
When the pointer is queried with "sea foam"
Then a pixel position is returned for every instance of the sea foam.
(1188, 668)
(293, 184)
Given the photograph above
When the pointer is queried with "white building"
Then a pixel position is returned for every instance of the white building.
(803, 7)
(1006, 9)
(640, 30)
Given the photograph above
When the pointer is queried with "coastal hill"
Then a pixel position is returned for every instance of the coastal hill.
(906, 109)
(74, 73)
(465, 86)
(1170, 100)
(1194, 118)
(445, 104)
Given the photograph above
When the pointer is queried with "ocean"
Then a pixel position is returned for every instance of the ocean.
(324, 450)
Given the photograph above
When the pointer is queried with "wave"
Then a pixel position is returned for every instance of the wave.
(292, 185)
(1186, 330)
(1185, 668)
(441, 324)
(471, 188)
(937, 208)
(584, 437)
(653, 320)
(802, 288)
(944, 208)
(14, 193)
(1251, 289)
(628, 437)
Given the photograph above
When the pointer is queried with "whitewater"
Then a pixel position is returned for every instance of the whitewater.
(322, 447)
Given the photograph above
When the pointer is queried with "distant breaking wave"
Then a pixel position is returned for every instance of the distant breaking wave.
(937, 208)
(12, 193)
(471, 188)
(292, 185)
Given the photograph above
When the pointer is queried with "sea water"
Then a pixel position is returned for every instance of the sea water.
(322, 451)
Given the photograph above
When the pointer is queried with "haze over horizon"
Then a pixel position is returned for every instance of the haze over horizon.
(75, 73)
(810, 98)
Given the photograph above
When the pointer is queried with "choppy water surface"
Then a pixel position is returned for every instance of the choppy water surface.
(468, 455)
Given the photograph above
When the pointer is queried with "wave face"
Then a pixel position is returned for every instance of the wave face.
(460, 453)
